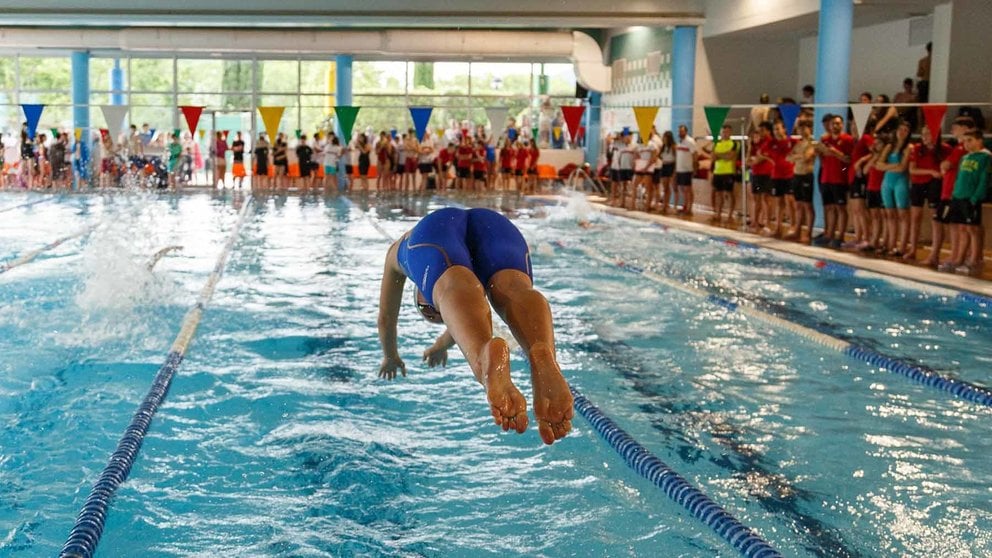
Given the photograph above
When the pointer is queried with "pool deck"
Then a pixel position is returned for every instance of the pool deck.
(910, 271)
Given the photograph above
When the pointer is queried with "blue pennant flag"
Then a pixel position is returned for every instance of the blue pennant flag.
(32, 113)
(421, 116)
(789, 112)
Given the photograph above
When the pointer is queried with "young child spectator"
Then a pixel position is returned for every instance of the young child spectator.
(966, 204)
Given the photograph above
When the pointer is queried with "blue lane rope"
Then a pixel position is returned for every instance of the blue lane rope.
(28, 204)
(741, 537)
(30, 256)
(959, 388)
(86, 532)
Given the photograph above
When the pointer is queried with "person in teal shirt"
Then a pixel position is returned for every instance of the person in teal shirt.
(966, 204)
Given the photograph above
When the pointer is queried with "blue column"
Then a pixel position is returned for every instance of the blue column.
(833, 61)
(593, 118)
(342, 97)
(117, 83)
(683, 75)
(80, 62)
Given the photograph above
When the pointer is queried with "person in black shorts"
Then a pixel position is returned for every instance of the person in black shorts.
(364, 161)
(279, 160)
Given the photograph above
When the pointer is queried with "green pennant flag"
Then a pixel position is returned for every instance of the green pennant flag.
(175, 132)
(346, 120)
(55, 132)
(534, 130)
(298, 133)
(715, 117)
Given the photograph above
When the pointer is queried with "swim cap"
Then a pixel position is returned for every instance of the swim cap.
(429, 313)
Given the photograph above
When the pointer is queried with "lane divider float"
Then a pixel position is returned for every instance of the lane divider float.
(86, 532)
(30, 256)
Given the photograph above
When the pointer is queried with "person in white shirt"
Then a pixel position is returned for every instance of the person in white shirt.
(647, 155)
(332, 158)
(425, 160)
(686, 158)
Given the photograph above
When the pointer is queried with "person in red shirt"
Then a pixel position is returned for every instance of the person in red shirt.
(925, 183)
(532, 156)
(858, 180)
(479, 165)
(782, 172)
(520, 168)
(463, 162)
(762, 166)
(949, 174)
(874, 218)
(835, 149)
(507, 154)
(443, 162)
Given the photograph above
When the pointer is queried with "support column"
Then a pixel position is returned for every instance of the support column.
(342, 97)
(117, 83)
(593, 118)
(80, 63)
(683, 75)
(833, 61)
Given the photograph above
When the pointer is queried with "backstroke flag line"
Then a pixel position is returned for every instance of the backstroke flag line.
(715, 117)
(497, 119)
(270, 119)
(572, 116)
(933, 116)
(192, 115)
(32, 114)
(346, 120)
(789, 113)
(114, 115)
(860, 112)
(421, 116)
(645, 120)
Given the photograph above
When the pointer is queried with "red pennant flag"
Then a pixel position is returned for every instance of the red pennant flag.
(933, 115)
(573, 115)
(104, 133)
(224, 133)
(192, 115)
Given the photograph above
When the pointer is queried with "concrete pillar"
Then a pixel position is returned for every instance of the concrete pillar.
(833, 61)
(117, 83)
(593, 118)
(683, 75)
(80, 64)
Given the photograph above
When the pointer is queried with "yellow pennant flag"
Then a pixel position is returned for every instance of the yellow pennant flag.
(202, 133)
(440, 133)
(271, 117)
(78, 133)
(645, 120)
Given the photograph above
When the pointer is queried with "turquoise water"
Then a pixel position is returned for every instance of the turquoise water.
(278, 439)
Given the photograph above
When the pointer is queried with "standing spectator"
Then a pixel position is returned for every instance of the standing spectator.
(808, 95)
(835, 150)
(924, 174)
(894, 160)
(42, 163)
(238, 160)
(762, 167)
(425, 161)
(532, 173)
(666, 173)
(506, 156)
(280, 160)
(220, 159)
(873, 194)
(175, 153)
(759, 113)
(686, 159)
(304, 156)
(908, 114)
(726, 154)
(923, 76)
(410, 147)
(857, 177)
(364, 160)
(644, 174)
(260, 178)
(884, 114)
(27, 159)
(782, 173)
(479, 166)
(332, 159)
(443, 163)
(57, 160)
(803, 156)
(966, 204)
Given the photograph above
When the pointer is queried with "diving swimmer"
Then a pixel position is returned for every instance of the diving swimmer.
(456, 259)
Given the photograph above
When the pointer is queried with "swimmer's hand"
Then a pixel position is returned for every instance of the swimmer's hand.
(436, 355)
(389, 366)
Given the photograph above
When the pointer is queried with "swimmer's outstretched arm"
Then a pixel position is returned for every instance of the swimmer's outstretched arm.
(390, 296)
(437, 354)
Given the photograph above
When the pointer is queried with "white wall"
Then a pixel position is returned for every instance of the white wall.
(881, 58)
(726, 16)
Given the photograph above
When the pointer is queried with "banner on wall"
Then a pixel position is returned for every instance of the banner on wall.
(271, 116)
(421, 116)
(715, 117)
(789, 112)
(860, 112)
(497, 119)
(573, 116)
(192, 115)
(645, 121)
(32, 114)
(114, 115)
(346, 120)
(933, 116)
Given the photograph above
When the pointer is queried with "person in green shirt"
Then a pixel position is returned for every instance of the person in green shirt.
(966, 204)
(175, 156)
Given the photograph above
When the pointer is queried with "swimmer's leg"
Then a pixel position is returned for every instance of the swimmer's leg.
(461, 299)
(528, 315)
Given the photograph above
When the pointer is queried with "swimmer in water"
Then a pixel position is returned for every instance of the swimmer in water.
(457, 258)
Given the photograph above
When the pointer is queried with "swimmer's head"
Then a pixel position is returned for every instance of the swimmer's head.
(429, 313)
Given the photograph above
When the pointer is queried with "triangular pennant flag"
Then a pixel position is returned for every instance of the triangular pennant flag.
(573, 115)
(556, 132)
(224, 134)
(497, 119)
(715, 117)
(192, 115)
(78, 132)
(645, 120)
(32, 113)
(175, 132)
(55, 132)
(346, 120)
(861, 112)
(104, 133)
(114, 115)
(534, 131)
(202, 133)
(297, 132)
(933, 115)
(440, 133)
(421, 116)
(789, 112)
(271, 116)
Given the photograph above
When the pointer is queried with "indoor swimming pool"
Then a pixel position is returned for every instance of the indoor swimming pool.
(277, 438)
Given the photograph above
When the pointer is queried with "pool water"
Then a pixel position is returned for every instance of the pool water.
(278, 439)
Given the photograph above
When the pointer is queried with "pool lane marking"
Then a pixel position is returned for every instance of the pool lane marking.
(86, 532)
(28, 204)
(959, 388)
(744, 539)
(30, 256)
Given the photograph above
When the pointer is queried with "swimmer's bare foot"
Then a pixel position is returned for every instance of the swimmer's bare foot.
(507, 404)
(552, 399)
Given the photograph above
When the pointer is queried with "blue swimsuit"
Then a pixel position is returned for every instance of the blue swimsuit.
(479, 239)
